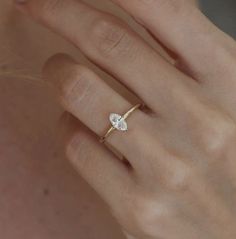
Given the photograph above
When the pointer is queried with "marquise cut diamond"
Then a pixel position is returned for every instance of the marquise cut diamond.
(118, 122)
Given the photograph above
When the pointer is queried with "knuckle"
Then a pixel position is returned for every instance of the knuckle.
(217, 134)
(111, 38)
(76, 90)
(150, 216)
(180, 178)
(174, 173)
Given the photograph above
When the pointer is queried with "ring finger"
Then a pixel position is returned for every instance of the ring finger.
(91, 100)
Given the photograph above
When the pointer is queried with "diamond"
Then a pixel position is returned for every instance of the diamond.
(118, 122)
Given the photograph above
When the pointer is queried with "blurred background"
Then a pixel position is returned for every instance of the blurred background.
(222, 13)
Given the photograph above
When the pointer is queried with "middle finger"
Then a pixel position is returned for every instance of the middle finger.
(116, 48)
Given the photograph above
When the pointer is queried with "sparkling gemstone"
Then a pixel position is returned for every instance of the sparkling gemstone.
(118, 122)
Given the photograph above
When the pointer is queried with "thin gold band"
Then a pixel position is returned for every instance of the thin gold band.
(125, 116)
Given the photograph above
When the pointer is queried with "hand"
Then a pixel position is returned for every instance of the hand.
(181, 180)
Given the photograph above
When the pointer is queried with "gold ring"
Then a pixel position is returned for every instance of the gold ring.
(118, 122)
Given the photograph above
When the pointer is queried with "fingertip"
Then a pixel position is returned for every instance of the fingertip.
(53, 69)
(58, 60)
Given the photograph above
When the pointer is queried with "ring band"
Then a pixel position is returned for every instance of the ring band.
(118, 122)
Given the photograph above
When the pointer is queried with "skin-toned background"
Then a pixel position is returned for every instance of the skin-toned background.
(41, 194)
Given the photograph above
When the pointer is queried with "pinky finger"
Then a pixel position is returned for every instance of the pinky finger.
(107, 175)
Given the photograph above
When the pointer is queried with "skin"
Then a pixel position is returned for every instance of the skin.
(42, 196)
(181, 180)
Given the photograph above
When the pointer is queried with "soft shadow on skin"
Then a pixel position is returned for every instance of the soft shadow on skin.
(41, 194)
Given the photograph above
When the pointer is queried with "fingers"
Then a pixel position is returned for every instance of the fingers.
(113, 46)
(101, 169)
(184, 30)
(91, 100)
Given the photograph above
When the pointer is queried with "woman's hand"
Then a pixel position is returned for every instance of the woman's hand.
(182, 179)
